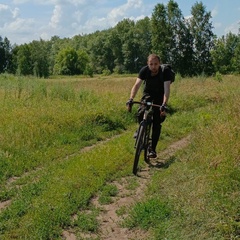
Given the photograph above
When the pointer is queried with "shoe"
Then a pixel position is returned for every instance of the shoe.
(135, 134)
(152, 154)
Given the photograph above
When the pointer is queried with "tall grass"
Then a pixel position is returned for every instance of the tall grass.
(46, 123)
(201, 188)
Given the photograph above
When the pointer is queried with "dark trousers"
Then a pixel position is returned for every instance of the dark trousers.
(156, 124)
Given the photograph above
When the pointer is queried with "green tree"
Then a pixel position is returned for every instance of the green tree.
(54, 46)
(125, 32)
(2, 56)
(143, 36)
(225, 55)
(5, 55)
(66, 62)
(131, 48)
(24, 63)
(82, 61)
(201, 31)
(161, 34)
(40, 58)
(101, 54)
(180, 53)
(185, 43)
(115, 43)
(236, 57)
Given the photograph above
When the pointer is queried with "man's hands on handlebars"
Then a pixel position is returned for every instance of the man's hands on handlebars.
(163, 110)
(163, 107)
(129, 104)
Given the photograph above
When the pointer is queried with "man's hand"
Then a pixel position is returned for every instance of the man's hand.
(129, 104)
(163, 110)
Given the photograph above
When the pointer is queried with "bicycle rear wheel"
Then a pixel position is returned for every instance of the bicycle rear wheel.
(139, 146)
(147, 142)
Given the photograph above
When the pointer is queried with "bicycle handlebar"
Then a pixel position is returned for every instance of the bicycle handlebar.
(147, 104)
(162, 108)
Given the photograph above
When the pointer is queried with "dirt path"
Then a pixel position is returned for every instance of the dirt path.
(110, 221)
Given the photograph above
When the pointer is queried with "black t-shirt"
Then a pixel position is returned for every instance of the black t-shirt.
(154, 85)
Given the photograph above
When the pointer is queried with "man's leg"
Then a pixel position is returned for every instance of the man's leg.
(155, 135)
(156, 130)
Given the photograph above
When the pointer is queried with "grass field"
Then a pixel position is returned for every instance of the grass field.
(47, 175)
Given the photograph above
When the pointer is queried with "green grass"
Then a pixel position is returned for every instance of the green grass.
(45, 125)
(107, 193)
(38, 129)
(149, 213)
(201, 188)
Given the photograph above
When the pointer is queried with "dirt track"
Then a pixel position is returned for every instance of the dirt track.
(110, 222)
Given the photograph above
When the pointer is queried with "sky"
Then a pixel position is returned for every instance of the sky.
(23, 21)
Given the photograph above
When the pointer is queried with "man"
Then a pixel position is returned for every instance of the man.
(156, 90)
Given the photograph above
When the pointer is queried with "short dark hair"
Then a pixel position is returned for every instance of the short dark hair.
(153, 55)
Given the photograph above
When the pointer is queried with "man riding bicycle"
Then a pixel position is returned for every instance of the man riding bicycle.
(157, 90)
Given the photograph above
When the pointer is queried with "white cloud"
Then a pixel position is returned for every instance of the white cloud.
(15, 12)
(88, 17)
(66, 18)
(217, 25)
(56, 17)
(22, 25)
(233, 28)
(12, 26)
(122, 11)
(214, 12)
(3, 7)
(77, 15)
(17, 2)
(7, 14)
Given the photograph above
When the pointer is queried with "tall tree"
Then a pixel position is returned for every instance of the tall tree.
(180, 53)
(40, 58)
(101, 53)
(161, 35)
(225, 55)
(236, 57)
(2, 56)
(115, 43)
(66, 62)
(201, 31)
(125, 31)
(24, 63)
(5, 55)
(82, 61)
(54, 46)
(131, 50)
(142, 36)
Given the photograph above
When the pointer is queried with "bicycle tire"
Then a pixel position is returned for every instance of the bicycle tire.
(139, 147)
(147, 143)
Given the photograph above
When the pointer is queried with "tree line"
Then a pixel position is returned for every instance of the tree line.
(189, 45)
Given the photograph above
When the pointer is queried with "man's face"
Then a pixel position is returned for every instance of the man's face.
(154, 65)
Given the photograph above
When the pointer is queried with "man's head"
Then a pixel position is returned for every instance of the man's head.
(154, 63)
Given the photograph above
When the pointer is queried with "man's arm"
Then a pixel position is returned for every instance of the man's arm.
(135, 88)
(166, 92)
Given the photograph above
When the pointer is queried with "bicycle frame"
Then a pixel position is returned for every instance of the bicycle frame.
(146, 124)
(143, 140)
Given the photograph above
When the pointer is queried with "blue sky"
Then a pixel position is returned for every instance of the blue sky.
(23, 21)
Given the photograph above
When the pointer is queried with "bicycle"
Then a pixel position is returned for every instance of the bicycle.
(143, 138)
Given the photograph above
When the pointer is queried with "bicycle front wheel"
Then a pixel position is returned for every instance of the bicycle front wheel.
(139, 147)
(147, 142)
